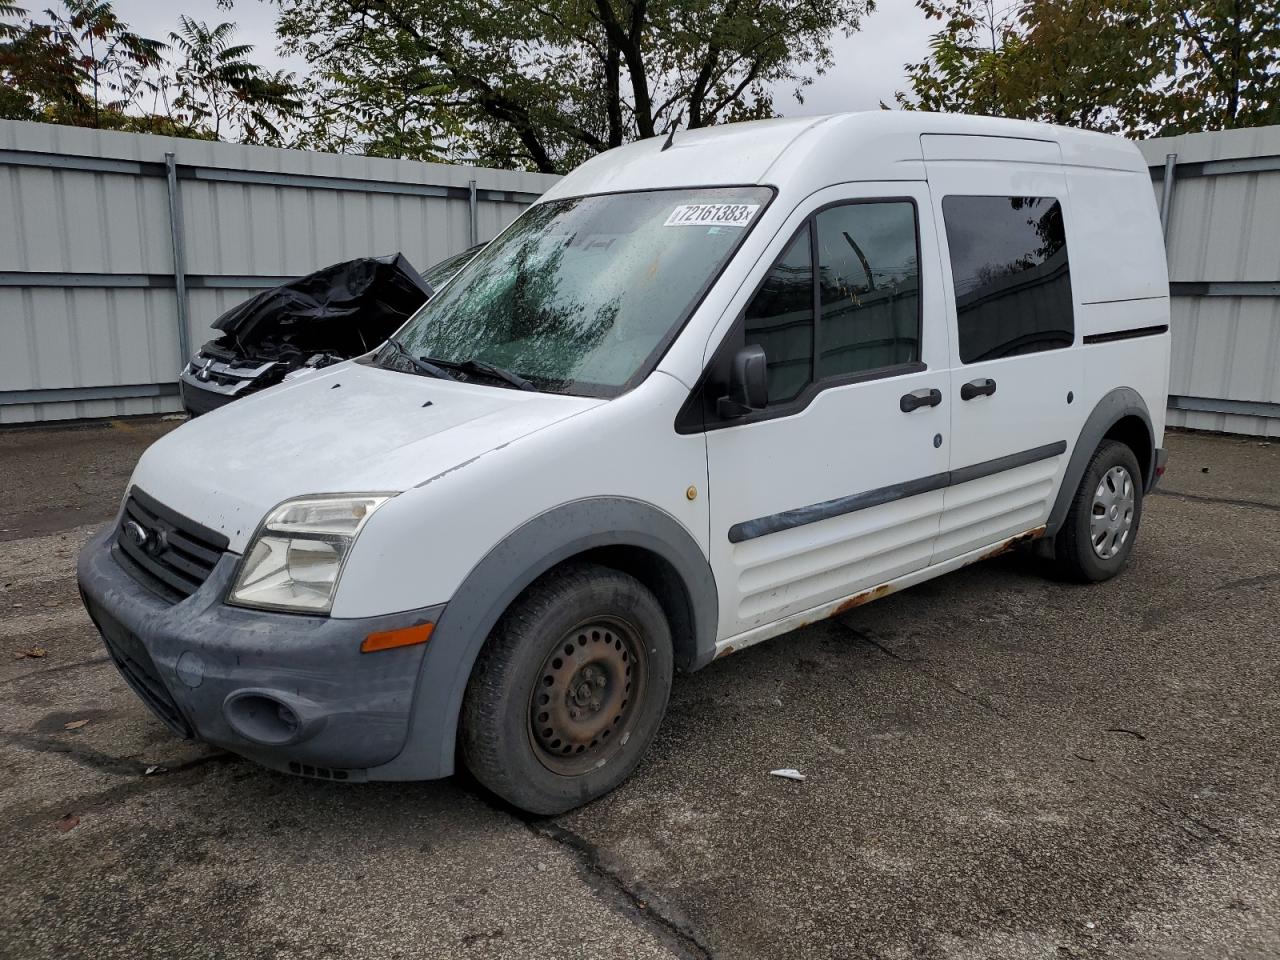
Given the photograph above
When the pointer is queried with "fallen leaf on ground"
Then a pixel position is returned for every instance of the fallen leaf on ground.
(69, 822)
(788, 774)
(34, 653)
(74, 725)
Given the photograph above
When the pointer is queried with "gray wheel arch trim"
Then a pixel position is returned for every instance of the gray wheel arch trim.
(1110, 410)
(503, 573)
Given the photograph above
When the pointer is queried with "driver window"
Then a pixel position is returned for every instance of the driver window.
(780, 319)
(866, 293)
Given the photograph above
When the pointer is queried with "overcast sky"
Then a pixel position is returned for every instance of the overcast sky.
(868, 65)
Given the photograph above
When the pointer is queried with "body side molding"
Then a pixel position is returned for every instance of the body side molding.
(502, 575)
(1129, 334)
(799, 516)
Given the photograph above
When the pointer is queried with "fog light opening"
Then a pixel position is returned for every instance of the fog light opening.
(288, 719)
(262, 718)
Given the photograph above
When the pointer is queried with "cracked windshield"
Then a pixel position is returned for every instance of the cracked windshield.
(580, 295)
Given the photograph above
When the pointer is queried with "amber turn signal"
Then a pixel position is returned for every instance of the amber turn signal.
(404, 637)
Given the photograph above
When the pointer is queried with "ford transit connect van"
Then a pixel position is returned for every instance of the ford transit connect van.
(698, 395)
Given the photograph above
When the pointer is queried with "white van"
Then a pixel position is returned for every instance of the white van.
(700, 394)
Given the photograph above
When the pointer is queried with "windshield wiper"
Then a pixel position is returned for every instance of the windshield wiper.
(502, 373)
(421, 364)
(485, 368)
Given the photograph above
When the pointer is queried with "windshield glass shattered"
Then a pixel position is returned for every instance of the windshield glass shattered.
(582, 295)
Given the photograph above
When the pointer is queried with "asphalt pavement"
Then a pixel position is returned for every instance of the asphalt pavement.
(998, 764)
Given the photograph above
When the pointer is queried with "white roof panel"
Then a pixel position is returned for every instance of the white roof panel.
(809, 153)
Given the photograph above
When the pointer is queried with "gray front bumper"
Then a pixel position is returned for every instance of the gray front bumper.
(208, 669)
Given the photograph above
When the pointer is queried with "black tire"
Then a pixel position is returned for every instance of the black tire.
(594, 639)
(1074, 549)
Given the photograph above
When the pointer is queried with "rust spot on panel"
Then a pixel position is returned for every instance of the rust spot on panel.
(884, 589)
(858, 599)
(1012, 542)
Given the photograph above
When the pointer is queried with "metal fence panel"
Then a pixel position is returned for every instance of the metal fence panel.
(89, 319)
(1223, 243)
(89, 306)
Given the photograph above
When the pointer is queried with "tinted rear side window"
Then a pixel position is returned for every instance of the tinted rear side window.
(1011, 275)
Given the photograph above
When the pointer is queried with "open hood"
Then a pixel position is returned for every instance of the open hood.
(345, 309)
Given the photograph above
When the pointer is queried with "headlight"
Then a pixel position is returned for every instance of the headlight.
(294, 560)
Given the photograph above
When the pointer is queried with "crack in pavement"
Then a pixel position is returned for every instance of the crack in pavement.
(1265, 579)
(60, 668)
(103, 799)
(76, 752)
(915, 665)
(86, 756)
(638, 903)
(628, 898)
(1150, 801)
(1155, 802)
(1229, 501)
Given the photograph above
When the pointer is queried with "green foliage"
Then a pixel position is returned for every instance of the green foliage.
(79, 66)
(82, 65)
(214, 87)
(109, 59)
(548, 83)
(1229, 65)
(1138, 67)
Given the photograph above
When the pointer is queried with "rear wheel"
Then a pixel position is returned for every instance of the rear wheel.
(569, 690)
(1102, 522)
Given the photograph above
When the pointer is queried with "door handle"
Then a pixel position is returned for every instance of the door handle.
(977, 388)
(920, 398)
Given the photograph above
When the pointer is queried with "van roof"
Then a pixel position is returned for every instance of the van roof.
(813, 152)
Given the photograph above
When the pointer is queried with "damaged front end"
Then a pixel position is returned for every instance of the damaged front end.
(324, 318)
(220, 373)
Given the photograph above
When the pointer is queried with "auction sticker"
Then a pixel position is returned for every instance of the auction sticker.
(712, 215)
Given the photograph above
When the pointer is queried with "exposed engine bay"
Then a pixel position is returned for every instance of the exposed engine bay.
(288, 331)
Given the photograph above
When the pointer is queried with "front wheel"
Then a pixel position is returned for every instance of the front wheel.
(569, 690)
(1102, 523)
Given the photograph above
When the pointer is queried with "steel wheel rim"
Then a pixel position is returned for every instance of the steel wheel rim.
(583, 706)
(1111, 516)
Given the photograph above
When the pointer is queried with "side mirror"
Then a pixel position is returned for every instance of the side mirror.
(748, 383)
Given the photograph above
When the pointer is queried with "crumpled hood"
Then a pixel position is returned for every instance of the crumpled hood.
(345, 307)
(350, 428)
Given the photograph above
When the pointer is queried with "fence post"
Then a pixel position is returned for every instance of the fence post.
(1166, 192)
(471, 204)
(179, 257)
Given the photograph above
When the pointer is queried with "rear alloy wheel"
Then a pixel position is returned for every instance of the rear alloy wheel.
(569, 689)
(1102, 523)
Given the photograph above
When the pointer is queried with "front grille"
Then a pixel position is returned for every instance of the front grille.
(174, 555)
(138, 670)
(237, 376)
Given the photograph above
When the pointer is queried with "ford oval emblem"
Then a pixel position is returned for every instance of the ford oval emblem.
(136, 532)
